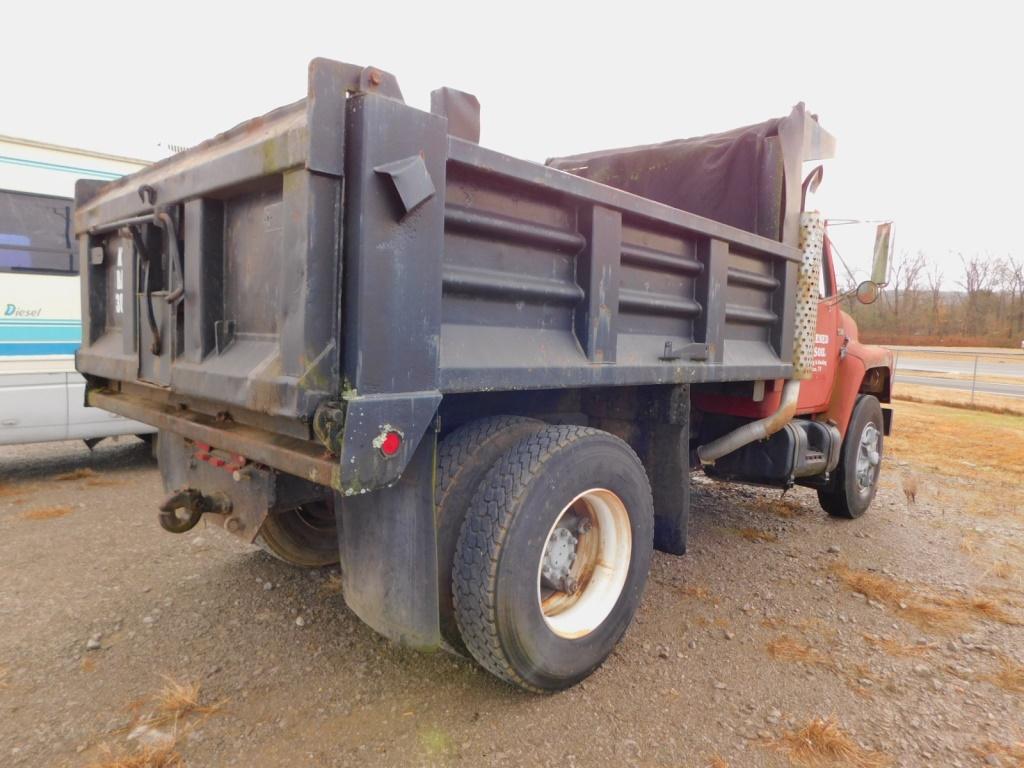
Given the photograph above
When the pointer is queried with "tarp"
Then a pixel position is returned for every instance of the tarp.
(717, 176)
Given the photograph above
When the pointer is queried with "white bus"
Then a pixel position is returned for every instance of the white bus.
(41, 394)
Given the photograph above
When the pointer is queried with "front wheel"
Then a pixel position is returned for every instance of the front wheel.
(860, 462)
(553, 556)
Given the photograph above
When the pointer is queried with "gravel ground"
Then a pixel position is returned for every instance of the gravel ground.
(752, 634)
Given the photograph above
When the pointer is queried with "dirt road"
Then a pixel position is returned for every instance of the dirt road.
(902, 627)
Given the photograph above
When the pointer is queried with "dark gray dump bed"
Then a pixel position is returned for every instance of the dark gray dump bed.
(346, 252)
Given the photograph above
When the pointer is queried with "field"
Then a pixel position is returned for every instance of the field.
(783, 638)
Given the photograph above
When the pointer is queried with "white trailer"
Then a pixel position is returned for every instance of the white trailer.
(42, 397)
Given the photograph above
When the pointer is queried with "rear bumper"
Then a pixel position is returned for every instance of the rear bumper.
(303, 458)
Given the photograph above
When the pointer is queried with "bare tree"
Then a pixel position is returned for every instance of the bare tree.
(934, 278)
(906, 274)
(977, 281)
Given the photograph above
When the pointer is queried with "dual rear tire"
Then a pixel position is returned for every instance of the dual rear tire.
(552, 556)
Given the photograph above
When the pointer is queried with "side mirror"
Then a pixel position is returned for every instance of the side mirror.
(868, 292)
(880, 262)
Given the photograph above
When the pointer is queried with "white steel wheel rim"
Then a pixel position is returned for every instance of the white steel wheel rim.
(868, 458)
(603, 550)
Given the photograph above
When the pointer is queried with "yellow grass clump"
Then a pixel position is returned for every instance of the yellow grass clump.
(921, 605)
(823, 744)
(177, 701)
(146, 757)
(753, 534)
(717, 761)
(76, 474)
(1012, 751)
(895, 647)
(1010, 676)
(46, 513)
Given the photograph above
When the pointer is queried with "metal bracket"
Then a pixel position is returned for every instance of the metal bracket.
(695, 351)
(411, 181)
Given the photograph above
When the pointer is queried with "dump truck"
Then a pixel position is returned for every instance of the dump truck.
(478, 383)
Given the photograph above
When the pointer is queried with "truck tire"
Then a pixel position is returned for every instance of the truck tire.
(860, 461)
(553, 556)
(464, 457)
(306, 536)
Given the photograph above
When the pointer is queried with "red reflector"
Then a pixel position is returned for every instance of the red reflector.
(391, 443)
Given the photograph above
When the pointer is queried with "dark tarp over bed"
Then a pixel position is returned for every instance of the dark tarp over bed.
(734, 177)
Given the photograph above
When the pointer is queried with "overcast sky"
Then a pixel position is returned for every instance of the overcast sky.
(926, 103)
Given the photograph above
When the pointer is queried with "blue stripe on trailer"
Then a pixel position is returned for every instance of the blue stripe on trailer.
(41, 333)
(59, 167)
(38, 348)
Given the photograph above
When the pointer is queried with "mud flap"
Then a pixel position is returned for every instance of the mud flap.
(388, 554)
(668, 468)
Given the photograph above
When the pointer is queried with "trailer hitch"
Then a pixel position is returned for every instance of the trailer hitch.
(180, 511)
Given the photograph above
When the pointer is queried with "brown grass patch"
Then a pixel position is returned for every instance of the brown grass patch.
(989, 404)
(1010, 676)
(4, 672)
(922, 606)
(970, 544)
(786, 648)
(823, 744)
(331, 585)
(753, 534)
(177, 701)
(102, 482)
(695, 591)
(717, 761)
(895, 647)
(145, 757)
(76, 474)
(1012, 751)
(1004, 569)
(46, 513)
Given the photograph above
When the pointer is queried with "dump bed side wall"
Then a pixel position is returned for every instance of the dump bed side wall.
(550, 280)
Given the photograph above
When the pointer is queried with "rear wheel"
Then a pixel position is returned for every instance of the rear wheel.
(860, 462)
(306, 536)
(553, 557)
(464, 458)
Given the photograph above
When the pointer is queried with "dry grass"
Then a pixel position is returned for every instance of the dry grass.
(895, 647)
(955, 398)
(76, 474)
(786, 648)
(780, 507)
(177, 701)
(4, 672)
(331, 585)
(1012, 751)
(753, 534)
(970, 544)
(102, 482)
(717, 761)
(46, 513)
(1010, 676)
(923, 606)
(144, 757)
(695, 591)
(1004, 569)
(952, 441)
(823, 744)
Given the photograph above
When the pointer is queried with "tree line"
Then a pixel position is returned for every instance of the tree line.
(980, 304)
